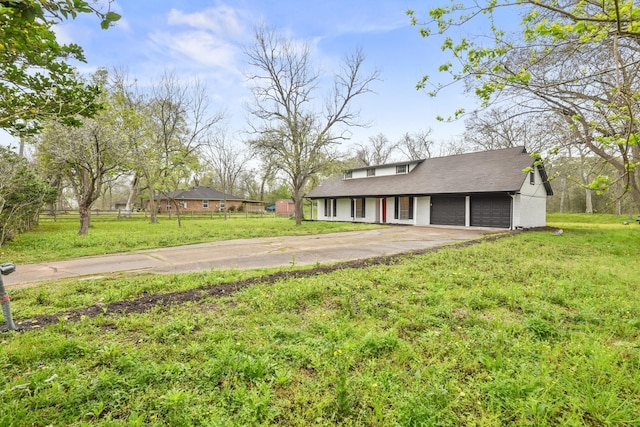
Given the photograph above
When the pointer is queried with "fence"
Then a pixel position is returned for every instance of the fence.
(124, 214)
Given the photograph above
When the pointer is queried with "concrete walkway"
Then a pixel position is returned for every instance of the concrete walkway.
(249, 253)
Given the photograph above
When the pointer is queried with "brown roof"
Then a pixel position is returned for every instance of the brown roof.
(481, 172)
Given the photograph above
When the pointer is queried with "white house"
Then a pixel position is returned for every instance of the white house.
(483, 189)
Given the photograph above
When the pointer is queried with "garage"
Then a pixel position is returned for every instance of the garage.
(447, 210)
(491, 211)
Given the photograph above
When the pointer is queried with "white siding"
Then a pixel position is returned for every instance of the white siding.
(423, 210)
(380, 171)
(344, 210)
(530, 206)
(391, 201)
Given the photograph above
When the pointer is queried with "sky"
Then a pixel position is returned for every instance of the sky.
(204, 39)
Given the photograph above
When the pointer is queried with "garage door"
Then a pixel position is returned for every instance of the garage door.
(447, 210)
(491, 211)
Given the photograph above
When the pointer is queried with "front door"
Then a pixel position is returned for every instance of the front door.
(384, 210)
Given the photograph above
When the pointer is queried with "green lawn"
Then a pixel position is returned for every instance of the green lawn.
(59, 240)
(534, 329)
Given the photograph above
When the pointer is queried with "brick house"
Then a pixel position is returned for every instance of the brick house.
(285, 207)
(199, 199)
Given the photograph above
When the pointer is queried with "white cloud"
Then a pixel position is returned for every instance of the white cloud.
(220, 20)
(200, 48)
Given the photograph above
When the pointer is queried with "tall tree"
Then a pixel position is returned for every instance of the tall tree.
(416, 146)
(87, 156)
(290, 127)
(227, 161)
(179, 122)
(378, 151)
(576, 59)
(36, 82)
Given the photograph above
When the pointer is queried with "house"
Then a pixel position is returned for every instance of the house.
(483, 189)
(199, 199)
(285, 207)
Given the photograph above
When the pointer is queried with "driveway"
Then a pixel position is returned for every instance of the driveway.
(250, 253)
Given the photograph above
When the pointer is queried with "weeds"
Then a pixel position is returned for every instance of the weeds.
(535, 329)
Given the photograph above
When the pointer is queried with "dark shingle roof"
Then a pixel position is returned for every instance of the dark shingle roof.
(202, 193)
(481, 172)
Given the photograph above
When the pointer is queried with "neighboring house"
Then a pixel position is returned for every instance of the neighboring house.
(483, 189)
(285, 207)
(198, 199)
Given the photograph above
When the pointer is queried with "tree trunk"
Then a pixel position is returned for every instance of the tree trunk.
(563, 194)
(85, 218)
(588, 201)
(297, 196)
(153, 206)
(132, 194)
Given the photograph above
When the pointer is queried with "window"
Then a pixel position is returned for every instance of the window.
(222, 206)
(184, 204)
(403, 208)
(168, 204)
(348, 174)
(371, 172)
(330, 207)
(402, 168)
(358, 208)
(205, 204)
(532, 177)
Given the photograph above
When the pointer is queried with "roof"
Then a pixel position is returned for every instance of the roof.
(480, 172)
(202, 193)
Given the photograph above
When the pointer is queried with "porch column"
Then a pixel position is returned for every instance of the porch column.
(467, 211)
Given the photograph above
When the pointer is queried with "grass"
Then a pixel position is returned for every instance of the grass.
(534, 329)
(59, 240)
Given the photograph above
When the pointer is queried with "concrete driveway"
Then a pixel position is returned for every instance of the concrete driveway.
(250, 253)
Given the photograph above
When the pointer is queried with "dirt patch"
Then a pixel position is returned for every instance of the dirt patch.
(147, 302)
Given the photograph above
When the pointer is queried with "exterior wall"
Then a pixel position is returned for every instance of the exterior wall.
(343, 210)
(196, 206)
(530, 206)
(391, 206)
(285, 207)
(380, 171)
(423, 210)
(320, 210)
(370, 208)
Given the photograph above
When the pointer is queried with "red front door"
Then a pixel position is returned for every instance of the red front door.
(384, 210)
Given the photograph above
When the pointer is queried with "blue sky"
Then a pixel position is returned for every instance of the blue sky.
(204, 39)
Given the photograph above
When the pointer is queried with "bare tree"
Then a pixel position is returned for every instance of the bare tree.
(377, 152)
(416, 146)
(169, 125)
(298, 135)
(228, 162)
